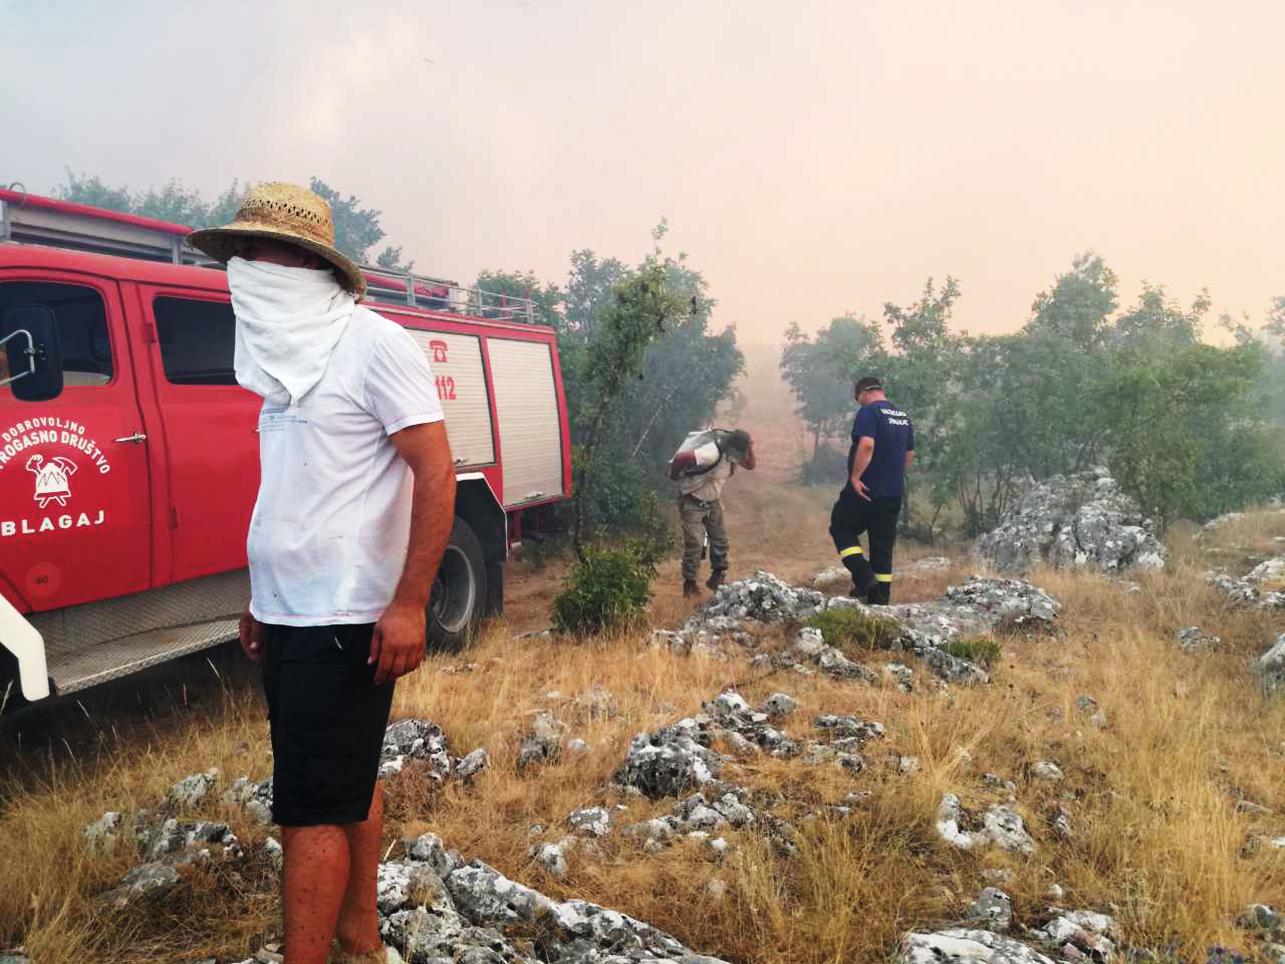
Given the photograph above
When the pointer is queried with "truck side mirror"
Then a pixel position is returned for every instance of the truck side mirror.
(29, 337)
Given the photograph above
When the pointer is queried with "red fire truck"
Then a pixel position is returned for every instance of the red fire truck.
(129, 459)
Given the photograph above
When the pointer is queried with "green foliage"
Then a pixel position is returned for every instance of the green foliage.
(850, 629)
(1270, 386)
(607, 591)
(671, 389)
(641, 306)
(1186, 427)
(821, 372)
(538, 553)
(83, 189)
(827, 465)
(983, 651)
(1187, 436)
(357, 229)
(547, 299)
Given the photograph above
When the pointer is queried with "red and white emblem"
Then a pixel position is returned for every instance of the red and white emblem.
(52, 479)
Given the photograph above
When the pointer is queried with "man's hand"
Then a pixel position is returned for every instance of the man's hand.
(861, 461)
(397, 645)
(249, 631)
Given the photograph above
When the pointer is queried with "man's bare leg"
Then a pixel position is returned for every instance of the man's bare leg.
(316, 875)
(358, 930)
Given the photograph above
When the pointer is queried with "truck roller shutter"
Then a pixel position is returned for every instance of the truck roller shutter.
(526, 403)
(456, 361)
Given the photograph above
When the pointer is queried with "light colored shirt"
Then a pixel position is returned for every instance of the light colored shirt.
(707, 484)
(330, 529)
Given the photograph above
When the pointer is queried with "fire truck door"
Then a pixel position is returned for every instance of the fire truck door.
(209, 420)
(75, 513)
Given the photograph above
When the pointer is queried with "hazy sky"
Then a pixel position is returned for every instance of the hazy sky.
(811, 157)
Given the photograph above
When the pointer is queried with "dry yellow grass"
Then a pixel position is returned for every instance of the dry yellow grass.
(1153, 797)
(1159, 839)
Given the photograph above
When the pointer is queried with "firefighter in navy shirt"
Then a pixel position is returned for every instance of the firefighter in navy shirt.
(883, 447)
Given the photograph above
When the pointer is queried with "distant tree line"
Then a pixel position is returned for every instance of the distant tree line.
(1188, 428)
(357, 229)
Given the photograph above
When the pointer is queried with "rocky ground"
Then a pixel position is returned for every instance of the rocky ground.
(1059, 767)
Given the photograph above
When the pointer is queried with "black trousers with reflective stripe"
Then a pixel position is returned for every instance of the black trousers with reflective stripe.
(853, 516)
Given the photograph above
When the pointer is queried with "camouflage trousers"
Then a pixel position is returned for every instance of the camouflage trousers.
(699, 519)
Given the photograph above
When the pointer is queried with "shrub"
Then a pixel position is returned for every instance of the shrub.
(539, 552)
(854, 629)
(981, 650)
(609, 591)
(828, 465)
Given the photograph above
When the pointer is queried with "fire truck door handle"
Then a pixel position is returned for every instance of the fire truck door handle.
(136, 438)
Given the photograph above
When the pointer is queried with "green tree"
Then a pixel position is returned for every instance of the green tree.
(921, 373)
(1187, 438)
(1079, 303)
(820, 371)
(589, 291)
(83, 189)
(224, 207)
(173, 202)
(1156, 320)
(1189, 429)
(685, 371)
(546, 299)
(357, 229)
(640, 310)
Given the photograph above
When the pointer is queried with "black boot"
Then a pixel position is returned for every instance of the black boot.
(690, 588)
(716, 579)
(863, 578)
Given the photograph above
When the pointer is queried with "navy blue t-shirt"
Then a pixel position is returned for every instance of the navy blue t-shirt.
(894, 435)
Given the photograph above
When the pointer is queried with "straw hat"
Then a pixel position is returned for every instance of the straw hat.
(282, 212)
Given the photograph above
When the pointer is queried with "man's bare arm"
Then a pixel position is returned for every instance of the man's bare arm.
(865, 452)
(750, 460)
(910, 459)
(398, 642)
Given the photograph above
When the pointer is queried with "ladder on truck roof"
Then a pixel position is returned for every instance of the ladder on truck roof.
(32, 219)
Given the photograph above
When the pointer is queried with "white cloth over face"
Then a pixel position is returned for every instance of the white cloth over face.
(288, 321)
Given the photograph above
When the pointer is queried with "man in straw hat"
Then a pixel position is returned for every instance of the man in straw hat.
(355, 507)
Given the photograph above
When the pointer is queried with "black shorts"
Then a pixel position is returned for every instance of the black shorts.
(327, 717)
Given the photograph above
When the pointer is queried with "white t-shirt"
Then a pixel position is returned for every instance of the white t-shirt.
(329, 533)
(707, 486)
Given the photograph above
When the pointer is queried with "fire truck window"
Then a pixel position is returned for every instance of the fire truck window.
(196, 341)
(81, 320)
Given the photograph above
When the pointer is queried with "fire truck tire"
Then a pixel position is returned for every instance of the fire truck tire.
(458, 596)
(494, 590)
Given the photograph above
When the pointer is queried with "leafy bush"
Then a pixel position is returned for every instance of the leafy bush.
(540, 552)
(852, 629)
(607, 592)
(1187, 428)
(827, 466)
(981, 650)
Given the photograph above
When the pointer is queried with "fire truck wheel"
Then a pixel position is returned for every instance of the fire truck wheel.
(459, 592)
